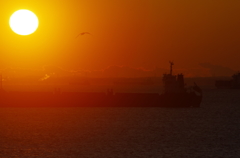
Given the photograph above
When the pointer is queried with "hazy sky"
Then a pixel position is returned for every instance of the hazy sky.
(136, 33)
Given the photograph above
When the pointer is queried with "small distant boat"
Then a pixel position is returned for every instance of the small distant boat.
(175, 95)
(234, 83)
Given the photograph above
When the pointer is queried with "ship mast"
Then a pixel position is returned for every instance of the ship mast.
(171, 64)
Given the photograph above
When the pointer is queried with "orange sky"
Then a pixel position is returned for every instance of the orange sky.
(133, 33)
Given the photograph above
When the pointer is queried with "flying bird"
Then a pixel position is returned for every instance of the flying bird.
(83, 33)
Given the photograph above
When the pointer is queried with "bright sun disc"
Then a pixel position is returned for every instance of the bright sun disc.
(23, 22)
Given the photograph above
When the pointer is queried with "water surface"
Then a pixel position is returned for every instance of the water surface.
(209, 131)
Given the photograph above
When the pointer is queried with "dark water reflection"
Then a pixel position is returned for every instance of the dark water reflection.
(210, 131)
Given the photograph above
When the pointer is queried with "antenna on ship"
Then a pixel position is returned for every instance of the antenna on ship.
(171, 64)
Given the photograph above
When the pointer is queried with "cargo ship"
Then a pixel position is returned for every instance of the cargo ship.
(233, 83)
(175, 94)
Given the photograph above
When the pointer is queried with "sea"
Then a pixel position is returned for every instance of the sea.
(210, 131)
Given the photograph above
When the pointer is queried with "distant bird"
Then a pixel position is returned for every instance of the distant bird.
(83, 33)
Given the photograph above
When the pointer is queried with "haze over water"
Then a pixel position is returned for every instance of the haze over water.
(209, 131)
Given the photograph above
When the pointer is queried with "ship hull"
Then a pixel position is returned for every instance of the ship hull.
(75, 99)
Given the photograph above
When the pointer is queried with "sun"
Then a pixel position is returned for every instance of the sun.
(23, 22)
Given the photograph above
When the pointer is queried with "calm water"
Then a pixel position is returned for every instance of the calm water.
(213, 130)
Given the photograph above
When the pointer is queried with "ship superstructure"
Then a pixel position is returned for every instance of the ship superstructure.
(173, 83)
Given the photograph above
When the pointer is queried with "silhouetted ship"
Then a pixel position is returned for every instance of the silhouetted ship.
(175, 95)
(234, 83)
